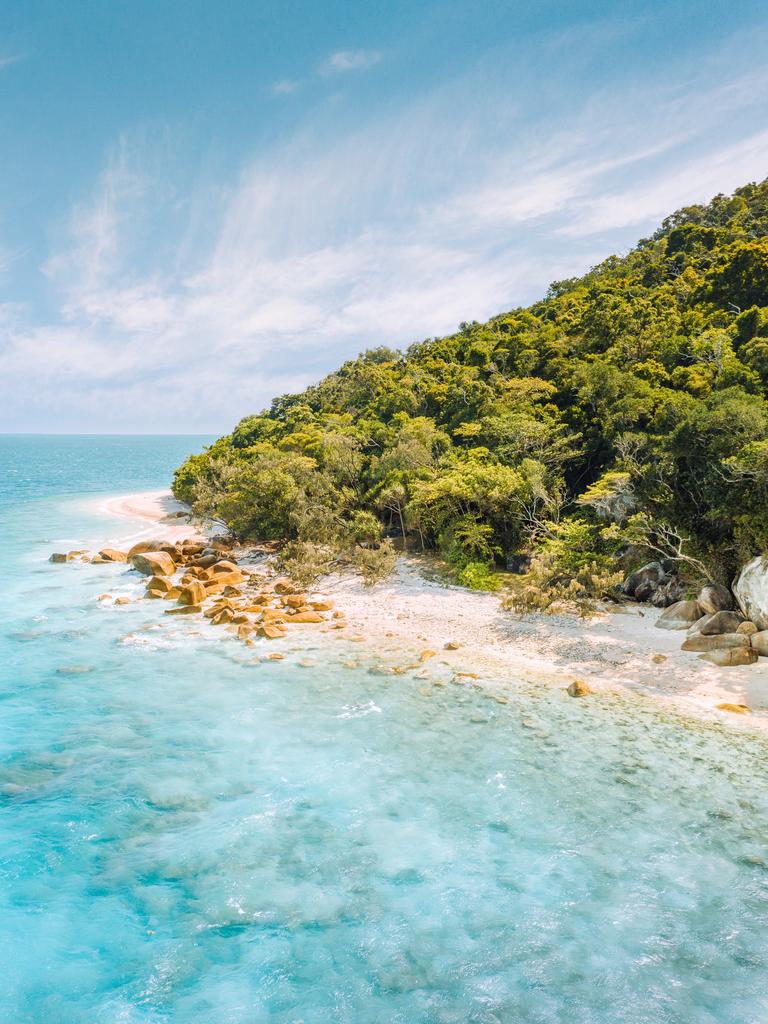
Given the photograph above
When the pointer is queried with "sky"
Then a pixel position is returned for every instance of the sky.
(204, 205)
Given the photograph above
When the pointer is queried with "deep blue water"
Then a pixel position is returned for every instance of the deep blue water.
(187, 835)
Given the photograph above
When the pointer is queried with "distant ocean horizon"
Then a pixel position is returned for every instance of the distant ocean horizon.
(189, 833)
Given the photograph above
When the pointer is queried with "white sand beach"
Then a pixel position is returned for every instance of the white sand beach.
(411, 612)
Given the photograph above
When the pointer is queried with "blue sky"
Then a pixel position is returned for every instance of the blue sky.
(204, 204)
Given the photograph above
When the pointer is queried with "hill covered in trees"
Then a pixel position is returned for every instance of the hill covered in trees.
(624, 413)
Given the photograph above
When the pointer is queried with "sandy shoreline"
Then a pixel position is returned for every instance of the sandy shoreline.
(619, 650)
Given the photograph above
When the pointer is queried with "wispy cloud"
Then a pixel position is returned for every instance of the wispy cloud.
(320, 251)
(350, 60)
(285, 86)
(6, 62)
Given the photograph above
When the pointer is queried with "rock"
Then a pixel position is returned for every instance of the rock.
(668, 592)
(75, 670)
(122, 600)
(184, 609)
(751, 591)
(309, 616)
(222, 617)
(452, 645)
(161, 583)
(732, 657)
(680, 615)
(192, 547)
(294, 600)
(272, 631)
(223, 566)
(759, 642)
(736, 709)
(721, 642)
(227, 579)
(113, 555)
(283, 586)
(193, 593)
(646, 579)
(696, 627)
(154, 563)
(151, 545)
(104, 597)
(721, 622)
(714, 597)
(747, 628)
(578, 688)
(326, 605)
(58, 557)
(426, 655)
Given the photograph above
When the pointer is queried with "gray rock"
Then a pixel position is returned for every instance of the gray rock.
(723, 642)
(668, 592)
(714, 597)
(645, 580)
(722, 622)
(751, 591)
(759, 642)
(680, 615)
(733, 656)
(696, 627)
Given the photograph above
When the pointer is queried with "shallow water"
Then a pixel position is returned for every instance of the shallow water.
(189, 836)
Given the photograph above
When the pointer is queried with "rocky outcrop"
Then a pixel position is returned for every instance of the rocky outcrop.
(154, 563)
(680, 615)
(751, 591)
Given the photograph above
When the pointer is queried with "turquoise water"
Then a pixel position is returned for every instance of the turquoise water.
(188, 836)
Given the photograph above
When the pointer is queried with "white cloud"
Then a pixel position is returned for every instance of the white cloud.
(350, 60)
(328, 244)
(285, 86)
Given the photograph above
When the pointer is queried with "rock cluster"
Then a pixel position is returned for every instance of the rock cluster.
(206, 579)
(657, 583)
(716, 631)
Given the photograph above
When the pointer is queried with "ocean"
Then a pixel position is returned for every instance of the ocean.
(191, 834)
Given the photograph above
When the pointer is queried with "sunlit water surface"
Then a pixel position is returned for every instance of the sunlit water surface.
(189, 836)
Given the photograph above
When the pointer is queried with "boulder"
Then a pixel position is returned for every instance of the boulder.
(122, 600)
(184, 609)
(751, 591)
(154, 563)
(578, 688)
(309, 616)
(680, 615)
(759, 642)
(193, 593)
(722, 622)
(58, 557)
(224, 566)
(294, 600)
(283, 586)
(644, 580)
(113, 555)
(151, 545)
(747, 628)
(724, 641)
(159, 583)
(714, 597)
(325, 605)
(228, 579)
(272, 631)
(736, 709)
(731, 658)
(668, 592)
(696, 627)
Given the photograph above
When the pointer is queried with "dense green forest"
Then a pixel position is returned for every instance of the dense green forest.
(623, 414)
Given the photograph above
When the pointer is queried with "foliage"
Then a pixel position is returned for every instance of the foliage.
(637, 390)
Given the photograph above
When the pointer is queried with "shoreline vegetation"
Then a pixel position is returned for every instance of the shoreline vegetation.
(416, 624)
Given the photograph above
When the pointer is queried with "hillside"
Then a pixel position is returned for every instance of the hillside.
(623, 413)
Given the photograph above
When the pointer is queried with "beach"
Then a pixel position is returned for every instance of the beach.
(411, 612)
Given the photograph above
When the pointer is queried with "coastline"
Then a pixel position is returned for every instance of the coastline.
(618, 650)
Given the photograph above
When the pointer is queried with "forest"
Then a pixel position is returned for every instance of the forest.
(550, 450)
